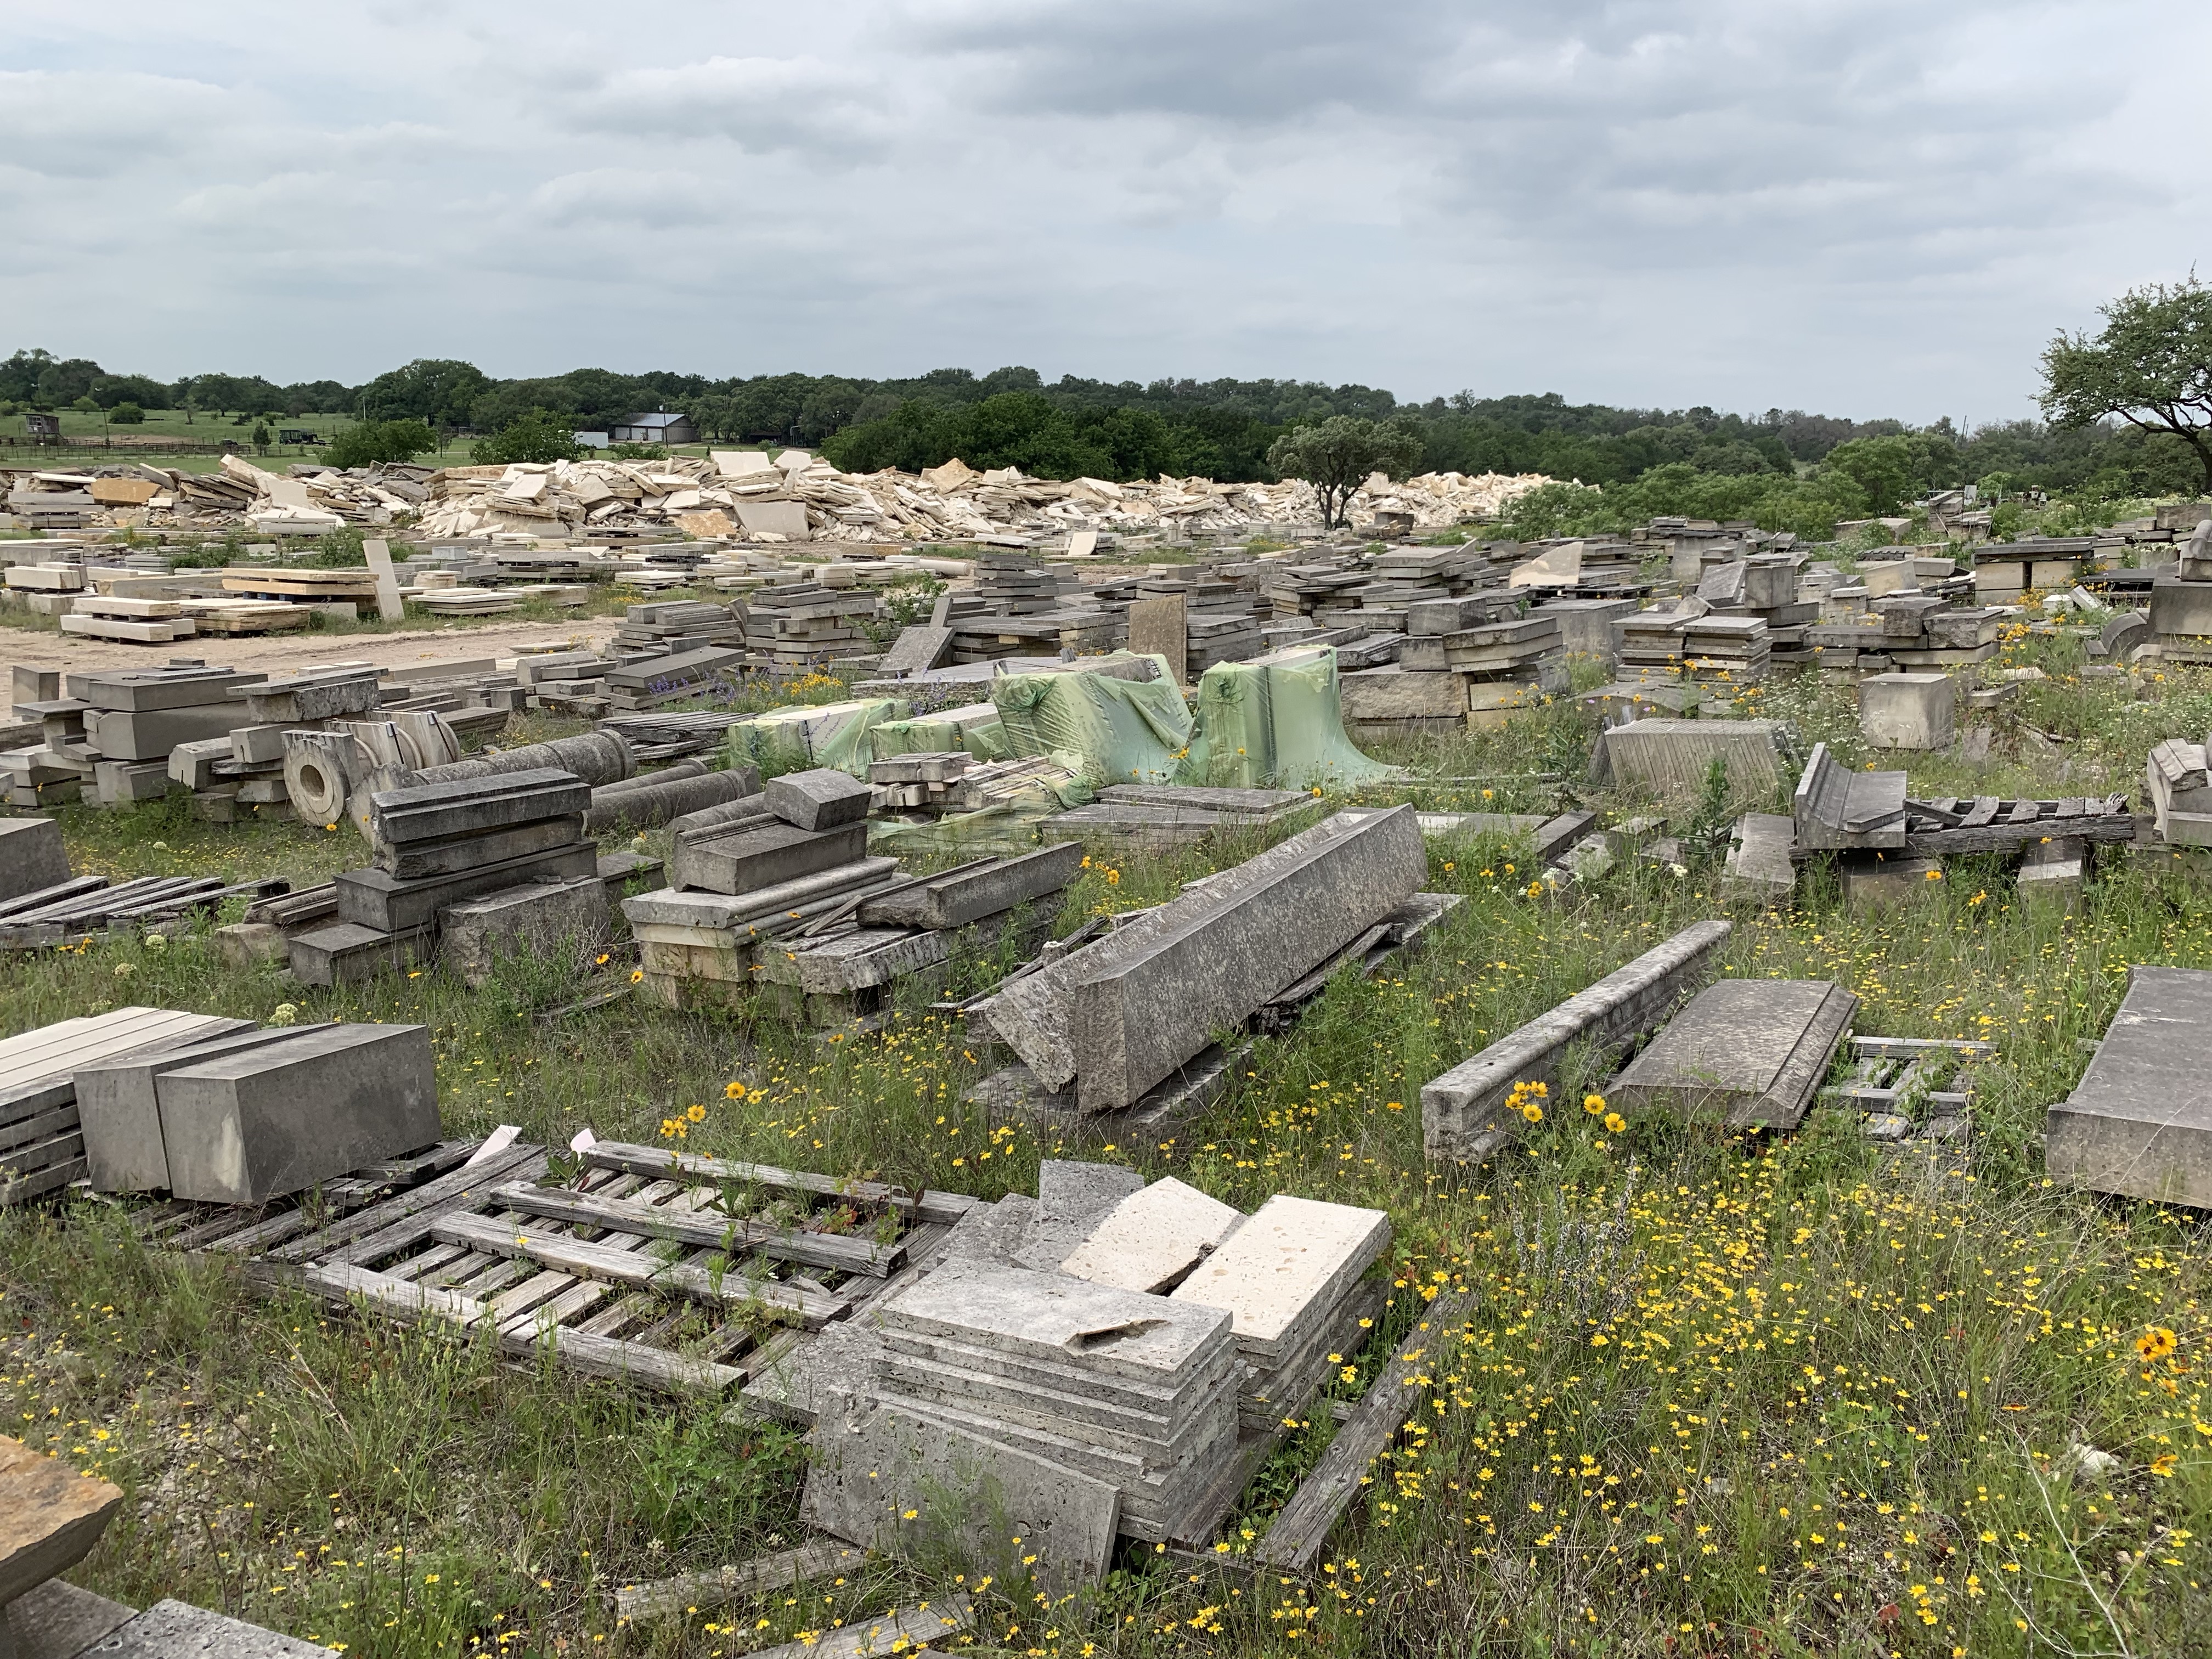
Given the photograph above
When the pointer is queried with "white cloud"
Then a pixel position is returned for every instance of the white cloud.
(1874, 208)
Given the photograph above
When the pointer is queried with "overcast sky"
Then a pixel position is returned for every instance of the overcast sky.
(1875, 208)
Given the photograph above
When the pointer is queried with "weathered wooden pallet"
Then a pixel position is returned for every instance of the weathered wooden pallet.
(1986, 823)
(679, 1272)
(1893, 1073)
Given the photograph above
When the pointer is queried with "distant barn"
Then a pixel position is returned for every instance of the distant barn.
(659, 427)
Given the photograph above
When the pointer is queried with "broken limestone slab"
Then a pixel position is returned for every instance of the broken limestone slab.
(280, 1117)
(2139, 1124)
(822, 798)
(1463, 1112)
(898, 1481)
(1152, 1238)
(1834, 808)
(1073, 1198)
(545, 919)
(1121, 1015)
(1748, 1051)
(1055, 1317)
(1908, 711)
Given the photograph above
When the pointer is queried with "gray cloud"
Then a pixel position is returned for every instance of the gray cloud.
(1874, 208)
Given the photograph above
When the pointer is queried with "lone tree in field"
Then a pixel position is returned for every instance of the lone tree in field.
(1336, 456)
(2151, 365)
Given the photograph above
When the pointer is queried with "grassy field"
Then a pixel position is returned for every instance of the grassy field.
(1722, 1394)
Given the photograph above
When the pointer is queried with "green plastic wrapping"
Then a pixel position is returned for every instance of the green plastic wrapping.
(1275, 723)
(1125, 730)
(974, 729)
(834, 735)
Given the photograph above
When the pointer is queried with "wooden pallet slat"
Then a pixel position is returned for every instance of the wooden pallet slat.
(844, 1253)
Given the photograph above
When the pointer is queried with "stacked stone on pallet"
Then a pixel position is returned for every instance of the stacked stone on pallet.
(1300, 590)
(797, 625)
(651, 682)
(518, 836)
(665, 626)
(2178, 788)
(1765, 586)
(1139, 1392)
(1287, 1277)
(956, 781)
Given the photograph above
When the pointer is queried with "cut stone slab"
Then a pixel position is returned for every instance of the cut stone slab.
(32, 856)
(1834, 808)
(439, 811)
(1462, 1114)
(307, 698)
(670, 906)
(1908, 711)
(878, 1636)
(58, 1621)
(822, 798)
(545, 919)
(1121, 1015)
(146, 690)
(417, 860)
(346, 953)
(1748, 1051)
(281, 1117)
(959, 897)
(1073, 1198)
(1672, 757)
(379, 900)
(1147, 1339)
(1152, 1238)
(915, 651)
(1287, 1264)
(390, 607)
(1161, 627)
(2139, 1124)
(170, 1629)
(1759, 861)
(50, 1517)
(747, 861)
(121, 1116)
(125, 735)
(985, 1506)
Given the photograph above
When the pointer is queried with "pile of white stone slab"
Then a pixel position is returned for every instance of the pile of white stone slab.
(1091, 1364)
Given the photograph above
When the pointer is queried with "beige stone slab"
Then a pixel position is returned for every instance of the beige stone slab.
(1151, 1238)
(50, 1516)
(1273, 1269)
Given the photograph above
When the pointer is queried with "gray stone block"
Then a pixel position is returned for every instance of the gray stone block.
(974, 1503)
(171, 1630)
(147, 691)
(121, 1114)
(1586, 626)
(440, 811)
(540, 918)
(959, 897)
(1908, 711)
(380, 900)
(1462, 1113)
(1759, 862)
(1877, 881)
(283, 1116)
(750, 860)
(256, 745)
(2139, 1124)
(32, 856)
(2180, 607)
(123, 783)
(58, 1621)
(123, 734)
(313, 697)
(1672, 757)
(1140, 1010)
(915, 650)
(819, 800)
(346, 953)
(414, 860)
(1072, 1199)
(192, 764)
(1748, 1051)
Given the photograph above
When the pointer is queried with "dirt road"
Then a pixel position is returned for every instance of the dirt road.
(283, 654)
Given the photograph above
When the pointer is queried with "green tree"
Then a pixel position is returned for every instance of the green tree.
(127, 415)
(1336, 456)
(435, 391)
(85, 406)
(260, 436)
(1896, 468)
(371, 442)
(2150, 365)
(540, 435)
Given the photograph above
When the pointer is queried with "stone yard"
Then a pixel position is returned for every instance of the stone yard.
(1698, 1169)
